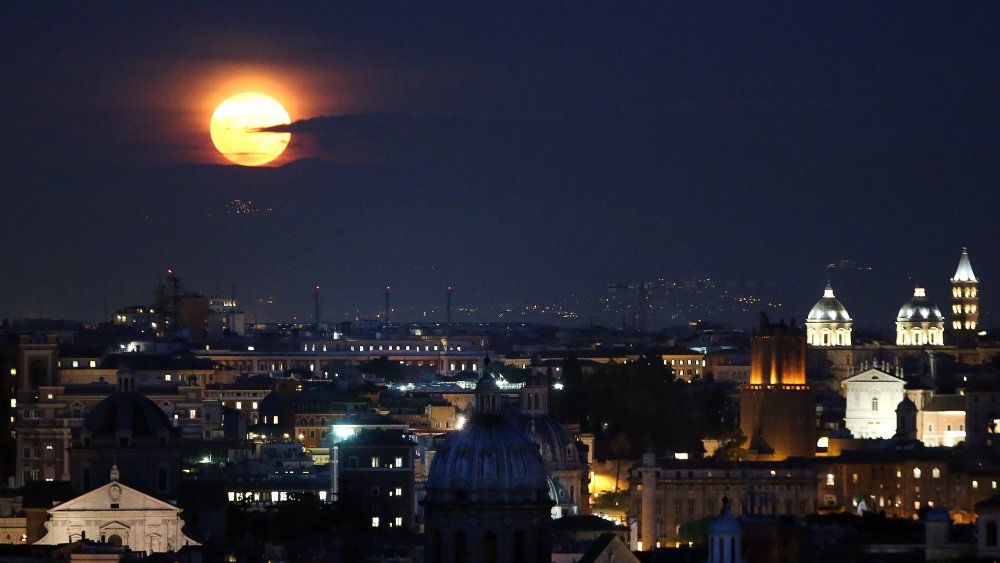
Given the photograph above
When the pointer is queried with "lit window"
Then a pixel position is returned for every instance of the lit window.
(399, 462)
(254, 405)
(239, 405)
(916, 472)
(374, 521)
(936, 473)
(192, 413)
(399, 521)
(829, 479)
(975, 484)
(93, 363)
(375, 462)
(167, 377)
(76, 364)
(399, 490)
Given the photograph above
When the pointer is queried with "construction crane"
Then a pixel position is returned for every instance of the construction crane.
(640, 313)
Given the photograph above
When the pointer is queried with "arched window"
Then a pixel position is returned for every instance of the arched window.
(874, 403)
(115, 540)
(490, 547)
(916, 472)
(518, 546)
(460, 548)
(438, 556)
(936, 473)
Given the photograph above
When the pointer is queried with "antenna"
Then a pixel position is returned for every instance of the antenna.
(448, 306)
(388, 289)
(316, 305)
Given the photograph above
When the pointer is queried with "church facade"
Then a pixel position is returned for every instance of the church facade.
(117, 514)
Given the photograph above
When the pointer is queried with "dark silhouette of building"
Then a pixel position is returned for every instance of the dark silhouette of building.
(130, 432)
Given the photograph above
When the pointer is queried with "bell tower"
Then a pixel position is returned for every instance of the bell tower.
(964, 296)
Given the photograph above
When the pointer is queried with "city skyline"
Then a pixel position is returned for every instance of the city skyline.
(522, 154)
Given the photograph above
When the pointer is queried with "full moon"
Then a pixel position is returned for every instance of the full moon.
(236, 125)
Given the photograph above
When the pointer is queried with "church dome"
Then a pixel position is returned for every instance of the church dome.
(556, 444)
(919, 308)
(127, 410)
(828, 309)
(489, 461)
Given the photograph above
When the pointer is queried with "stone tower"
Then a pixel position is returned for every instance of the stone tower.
(777, 410)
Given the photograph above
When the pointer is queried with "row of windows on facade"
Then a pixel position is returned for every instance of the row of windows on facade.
(382, 348)
(375, 462)
(726, 488)
(956, 308)
(917, 474)
(681, 362)
(969, 325)
(968, 292)
(688, 507)
(490, 548)
(881, 502)
(266, 497)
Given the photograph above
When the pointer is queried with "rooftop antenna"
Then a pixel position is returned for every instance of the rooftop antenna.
(448, 309)
(388, 288)
(316, 306)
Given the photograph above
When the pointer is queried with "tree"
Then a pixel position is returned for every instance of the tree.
(381, 367)
(730, 443)
(620, 446)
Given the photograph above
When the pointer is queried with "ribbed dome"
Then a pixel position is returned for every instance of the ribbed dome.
(127, 410)
(828, 309)
(489, 461)
(556, 444)
(919, 308)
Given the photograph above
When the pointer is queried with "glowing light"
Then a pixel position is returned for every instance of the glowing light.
(236, 129)
(461, 422)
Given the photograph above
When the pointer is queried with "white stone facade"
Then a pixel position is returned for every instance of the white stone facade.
(119, 515)
(872, 397)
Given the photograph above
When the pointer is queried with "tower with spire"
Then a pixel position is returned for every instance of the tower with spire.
(964, 296)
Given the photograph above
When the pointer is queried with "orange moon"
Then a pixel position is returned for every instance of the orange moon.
(236, 124)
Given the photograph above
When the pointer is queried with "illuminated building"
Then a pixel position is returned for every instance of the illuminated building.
(487, 491)
(872, 398)
(777, 411)
(919, 322)
(964, 296)
(667, 493)
(828, 323)
(118, 515)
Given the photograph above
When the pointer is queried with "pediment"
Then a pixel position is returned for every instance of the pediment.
(114, 525)
(103, 497)
(873, 375)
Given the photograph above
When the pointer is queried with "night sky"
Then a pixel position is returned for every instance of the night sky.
(520, 151)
